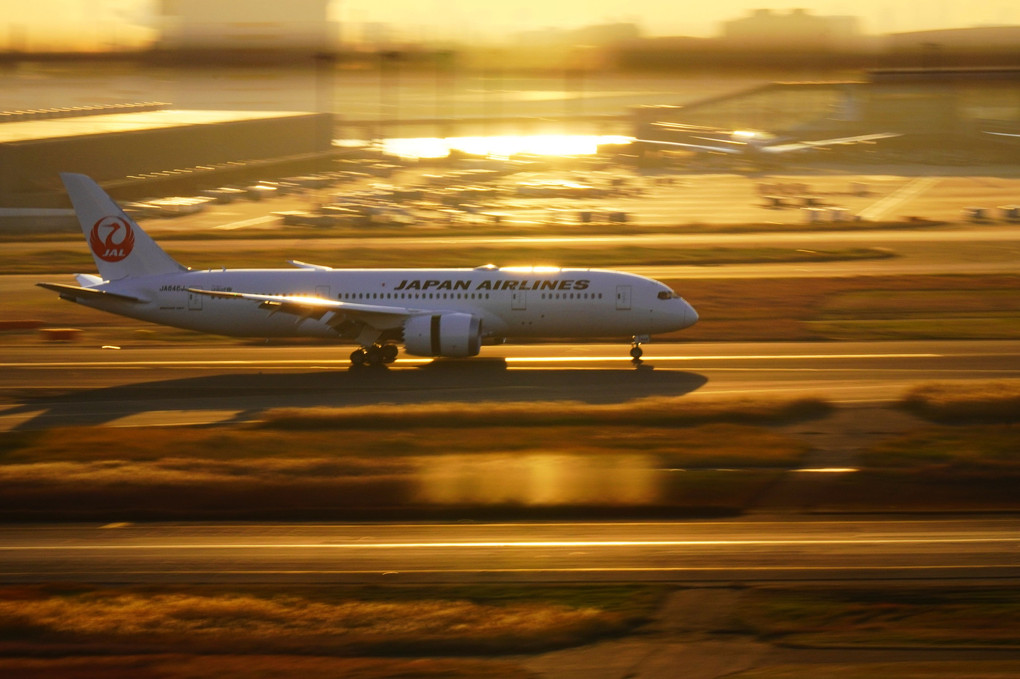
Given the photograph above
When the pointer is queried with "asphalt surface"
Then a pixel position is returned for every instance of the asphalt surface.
(739, 550)
(43, 385)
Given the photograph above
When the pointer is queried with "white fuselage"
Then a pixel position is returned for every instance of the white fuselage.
(515, 302)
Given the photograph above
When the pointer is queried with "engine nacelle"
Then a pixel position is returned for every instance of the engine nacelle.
(451, 335)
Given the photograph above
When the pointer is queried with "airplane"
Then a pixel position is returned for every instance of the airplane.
(750, 142)
(1002, 134)
(432, 312)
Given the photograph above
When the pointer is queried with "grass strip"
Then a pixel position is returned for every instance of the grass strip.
(497, 472)
(370, 448)
(892, 617)
(262, 666)
(936, 468)
(916, 669)
(859, 308)
(980, 449)
(336, 621)
(989, 402)
(653, 411)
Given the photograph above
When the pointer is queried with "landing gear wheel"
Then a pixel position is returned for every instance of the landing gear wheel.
(636, 352)
(374, 354)
(359, 357)
(389, 353)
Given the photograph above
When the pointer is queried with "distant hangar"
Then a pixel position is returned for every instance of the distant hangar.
(129, 150)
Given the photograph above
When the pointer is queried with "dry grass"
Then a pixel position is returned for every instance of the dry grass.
(220, 666)
(893, 314)
(337, 621)
(988, 450)
(947, 669)
(901, 617)
(861, 308)
(288, 623)
(648, 412)
(944, 468)
(990, 402)
(245, 474)
(304, 442)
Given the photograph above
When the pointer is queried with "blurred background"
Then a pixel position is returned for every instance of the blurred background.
(124, 88)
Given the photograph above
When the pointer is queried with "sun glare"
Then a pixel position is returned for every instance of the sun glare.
(531, 269)
(501, 146)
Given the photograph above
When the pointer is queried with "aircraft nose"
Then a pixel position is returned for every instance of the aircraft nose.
(690, 315)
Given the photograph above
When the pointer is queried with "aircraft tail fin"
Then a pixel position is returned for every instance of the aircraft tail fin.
(119, 246)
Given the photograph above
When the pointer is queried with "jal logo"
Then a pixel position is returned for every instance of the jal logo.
(112, 239)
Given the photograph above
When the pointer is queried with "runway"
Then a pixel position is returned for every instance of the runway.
(45, 385)
(696, 551)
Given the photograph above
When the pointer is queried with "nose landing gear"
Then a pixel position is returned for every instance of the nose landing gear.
(377, 354)
(636, 352)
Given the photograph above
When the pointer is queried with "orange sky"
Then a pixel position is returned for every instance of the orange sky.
(666, 17)
(48, 24)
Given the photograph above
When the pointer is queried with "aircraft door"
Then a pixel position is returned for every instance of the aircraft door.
(519, 300)
(194, 302)
(322, 291)
(623, 298)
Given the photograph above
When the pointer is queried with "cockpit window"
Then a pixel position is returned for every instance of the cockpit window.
(668, 294)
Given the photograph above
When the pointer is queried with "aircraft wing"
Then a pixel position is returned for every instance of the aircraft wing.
(332, 312)
(699, 147)
(311, 267)
(803, 145)
(73, 292)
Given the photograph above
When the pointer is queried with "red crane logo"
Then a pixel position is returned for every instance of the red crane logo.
(112, 239)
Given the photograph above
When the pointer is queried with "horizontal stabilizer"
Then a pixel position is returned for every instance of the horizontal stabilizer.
(74, 292)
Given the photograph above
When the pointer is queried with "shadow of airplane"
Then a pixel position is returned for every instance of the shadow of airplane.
(244, 395)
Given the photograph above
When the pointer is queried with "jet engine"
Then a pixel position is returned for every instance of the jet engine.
(452, 335)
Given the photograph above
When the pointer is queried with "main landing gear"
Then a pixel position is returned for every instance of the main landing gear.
(377, 354)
